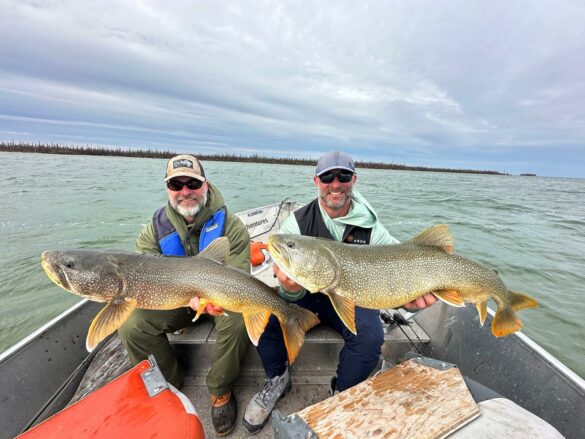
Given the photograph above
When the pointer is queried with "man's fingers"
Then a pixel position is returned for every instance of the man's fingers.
(290, 285)
(214, 310)
(210, 308)
(430, 298)
(421, 302)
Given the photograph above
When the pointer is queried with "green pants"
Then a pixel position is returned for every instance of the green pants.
(145, 331)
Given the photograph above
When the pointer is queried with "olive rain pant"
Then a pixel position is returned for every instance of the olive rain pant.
(145, 331)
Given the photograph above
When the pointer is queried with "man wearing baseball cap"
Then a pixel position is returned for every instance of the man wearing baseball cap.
(194, 216)
(342, 214)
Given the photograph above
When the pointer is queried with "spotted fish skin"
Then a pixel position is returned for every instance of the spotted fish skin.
(388, 276)
(129, 280)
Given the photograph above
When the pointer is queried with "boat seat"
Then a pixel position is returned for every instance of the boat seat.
(203, 332)
(316, 363)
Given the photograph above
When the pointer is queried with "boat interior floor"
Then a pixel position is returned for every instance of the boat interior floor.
(311, 373)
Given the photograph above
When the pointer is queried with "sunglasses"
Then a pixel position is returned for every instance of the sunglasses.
(176, 185)
(342, 177)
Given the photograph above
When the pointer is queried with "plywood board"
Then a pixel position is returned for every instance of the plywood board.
(408, 401)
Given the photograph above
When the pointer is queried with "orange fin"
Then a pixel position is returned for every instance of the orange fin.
(201, 309)
(482, 311)
(505, 322)
(255, 324)
(293, 330)
(450, 297)
(202, 304)
(436, 236)
(109, 319)
(522, 301)
(345, 309)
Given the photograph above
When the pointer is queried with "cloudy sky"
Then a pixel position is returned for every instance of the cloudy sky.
(496, 85)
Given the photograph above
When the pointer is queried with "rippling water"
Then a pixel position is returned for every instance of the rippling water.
(530, 229)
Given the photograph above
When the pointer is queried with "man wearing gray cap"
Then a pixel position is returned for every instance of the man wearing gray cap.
(342, 214)
(194, 216)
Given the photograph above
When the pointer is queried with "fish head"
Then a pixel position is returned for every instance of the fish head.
(306, 260)
(90, 274)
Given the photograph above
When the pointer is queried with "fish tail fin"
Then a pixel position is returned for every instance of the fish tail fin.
(522, 301)
(505, 322)
(294, 328)
(107, 321)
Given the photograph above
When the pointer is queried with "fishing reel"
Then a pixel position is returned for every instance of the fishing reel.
(394, 318)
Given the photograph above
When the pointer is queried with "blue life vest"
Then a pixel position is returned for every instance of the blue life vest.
(169, 240)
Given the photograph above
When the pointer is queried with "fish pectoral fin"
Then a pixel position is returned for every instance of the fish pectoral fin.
(436, 236)
(109, 319)
(522, 301)
(482, 311)
(450, 297)
(255, 323)
(218, 250)
(345, 309)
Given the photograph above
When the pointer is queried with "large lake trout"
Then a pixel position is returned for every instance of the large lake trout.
(130, 280)
(388, 276)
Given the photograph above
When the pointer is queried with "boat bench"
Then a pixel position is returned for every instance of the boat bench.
(204, 332)
(315, 364)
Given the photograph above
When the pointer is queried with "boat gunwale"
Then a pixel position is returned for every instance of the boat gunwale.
(570, 376)
(22, 344)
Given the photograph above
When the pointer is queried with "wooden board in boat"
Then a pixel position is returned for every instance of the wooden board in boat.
(410, 400)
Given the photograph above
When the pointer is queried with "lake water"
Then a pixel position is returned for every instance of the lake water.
(530, 229)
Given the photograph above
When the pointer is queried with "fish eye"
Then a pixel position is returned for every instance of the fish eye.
(69, 264)
(290, 244)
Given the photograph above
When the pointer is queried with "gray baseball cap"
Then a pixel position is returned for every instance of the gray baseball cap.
(334, 160)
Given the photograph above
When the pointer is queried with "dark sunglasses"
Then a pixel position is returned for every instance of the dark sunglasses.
(176, 185)
(342, 177)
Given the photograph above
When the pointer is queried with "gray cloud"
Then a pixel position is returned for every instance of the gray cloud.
(491, 86)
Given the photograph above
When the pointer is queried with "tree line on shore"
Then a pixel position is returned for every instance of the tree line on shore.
(53, 148)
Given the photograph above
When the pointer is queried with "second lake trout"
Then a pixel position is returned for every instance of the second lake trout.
(129, 280)
(388, 276)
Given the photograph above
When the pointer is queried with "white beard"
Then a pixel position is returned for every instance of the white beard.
(190, 211)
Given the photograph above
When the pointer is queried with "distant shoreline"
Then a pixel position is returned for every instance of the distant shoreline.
(166, 154)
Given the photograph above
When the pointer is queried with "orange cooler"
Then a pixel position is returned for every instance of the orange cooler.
(139, 403)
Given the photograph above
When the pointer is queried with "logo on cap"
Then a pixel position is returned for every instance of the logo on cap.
(182, 163)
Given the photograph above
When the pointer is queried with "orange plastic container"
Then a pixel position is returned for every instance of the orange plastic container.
(256, 254)
(124, 409)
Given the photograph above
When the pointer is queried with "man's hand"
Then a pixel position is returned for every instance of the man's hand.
(213, 310)
(288, 284)
(421, 302)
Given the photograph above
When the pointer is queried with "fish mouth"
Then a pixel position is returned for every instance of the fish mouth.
(54, 272)
(278, 256)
